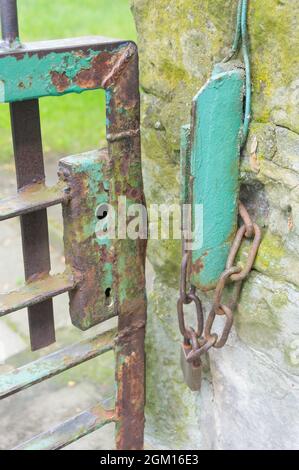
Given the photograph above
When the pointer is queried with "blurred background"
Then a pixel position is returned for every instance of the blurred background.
(70, 124)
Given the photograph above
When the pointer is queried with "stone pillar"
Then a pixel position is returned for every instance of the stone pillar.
(249, 398)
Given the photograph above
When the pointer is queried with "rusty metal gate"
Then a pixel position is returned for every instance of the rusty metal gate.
(104, 277)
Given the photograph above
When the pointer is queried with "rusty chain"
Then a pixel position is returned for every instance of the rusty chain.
(202, 338)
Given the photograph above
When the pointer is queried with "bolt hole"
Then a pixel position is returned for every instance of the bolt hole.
(108, 292)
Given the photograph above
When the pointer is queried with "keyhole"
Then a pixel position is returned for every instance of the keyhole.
(102, 216)
(102, 213)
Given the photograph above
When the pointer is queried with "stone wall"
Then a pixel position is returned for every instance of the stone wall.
(249, 397)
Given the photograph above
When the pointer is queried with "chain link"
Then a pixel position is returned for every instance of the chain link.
(202, 339)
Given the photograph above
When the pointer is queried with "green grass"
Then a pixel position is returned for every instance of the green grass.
(72, 123)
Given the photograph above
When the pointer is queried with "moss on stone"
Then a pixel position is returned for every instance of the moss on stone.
(291, 355)
(274, 37)
(271, 251)
(279, 299)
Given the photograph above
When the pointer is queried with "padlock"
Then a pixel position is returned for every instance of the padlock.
(191, 371)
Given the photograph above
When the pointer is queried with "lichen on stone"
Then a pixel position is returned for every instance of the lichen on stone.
(179, 42)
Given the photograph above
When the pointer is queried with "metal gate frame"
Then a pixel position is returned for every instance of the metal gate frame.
(26, 74)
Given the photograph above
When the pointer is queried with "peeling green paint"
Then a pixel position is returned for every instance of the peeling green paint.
(35, 74)
(31, 76)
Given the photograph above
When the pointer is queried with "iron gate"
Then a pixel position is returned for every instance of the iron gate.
(106, 278)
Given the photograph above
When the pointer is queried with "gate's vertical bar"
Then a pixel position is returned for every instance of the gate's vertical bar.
(9, 22)
(123, 135)
(30, 168)
(35, 239)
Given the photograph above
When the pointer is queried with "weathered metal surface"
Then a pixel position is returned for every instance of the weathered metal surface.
(71, 430)
(217, 119)
(32, 198)
(191, 372)
(55, 363)
(87, 176)
(123, 120)
(54, 68)
(210, 150)
(28, 154)
(36, 291)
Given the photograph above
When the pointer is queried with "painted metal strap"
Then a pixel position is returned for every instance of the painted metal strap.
(215, 151)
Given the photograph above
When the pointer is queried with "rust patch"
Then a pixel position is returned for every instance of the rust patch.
(118, 188)
(105, 69)
(130, 403)
(290, 223)
(87, 79)
(125, 165)
(132, 193)
(60, 81)
(198, 265)
(94, 76)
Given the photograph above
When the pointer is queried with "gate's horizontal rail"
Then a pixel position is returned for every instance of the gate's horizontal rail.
(55, 363)
(32, 198)
(36, 291)
(54, 68)
(71, 430)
